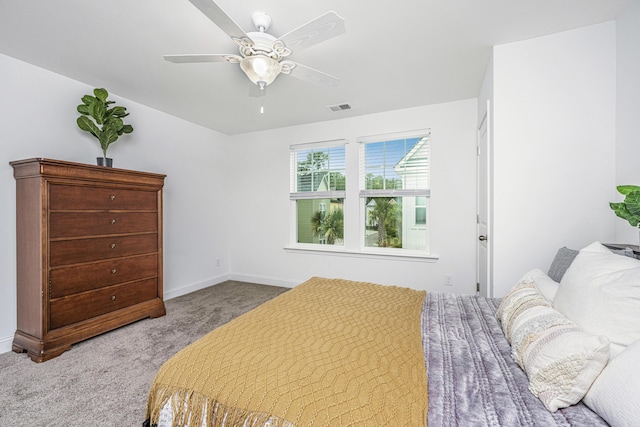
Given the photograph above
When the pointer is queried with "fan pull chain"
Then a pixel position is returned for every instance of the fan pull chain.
(262, 86)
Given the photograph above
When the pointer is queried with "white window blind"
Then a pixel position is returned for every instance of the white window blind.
(393, 166)
(318, 170)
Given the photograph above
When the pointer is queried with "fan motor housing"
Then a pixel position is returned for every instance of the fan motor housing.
(264, 44)
(262, 41)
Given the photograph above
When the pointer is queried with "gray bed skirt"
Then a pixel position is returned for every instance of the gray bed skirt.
(472, 379)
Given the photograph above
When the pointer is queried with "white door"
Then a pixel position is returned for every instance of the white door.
(485, 287)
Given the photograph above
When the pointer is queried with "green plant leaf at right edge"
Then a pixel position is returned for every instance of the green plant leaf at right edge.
(627, 189)
(632, 202)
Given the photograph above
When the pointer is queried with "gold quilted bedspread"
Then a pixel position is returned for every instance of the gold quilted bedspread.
(329, 352)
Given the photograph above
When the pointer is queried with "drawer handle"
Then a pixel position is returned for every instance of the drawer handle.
(112, 197)
(113, 221)
(113, 297)
(113, 271)
(113, 245)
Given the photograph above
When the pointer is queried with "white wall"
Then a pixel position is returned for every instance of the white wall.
(628, 110)
(554, 147)
(37, 118)
(554, 106)
(261, 202)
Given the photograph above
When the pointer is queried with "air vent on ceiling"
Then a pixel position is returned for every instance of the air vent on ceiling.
(339, 107)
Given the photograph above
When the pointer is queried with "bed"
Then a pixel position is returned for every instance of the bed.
(334, 352)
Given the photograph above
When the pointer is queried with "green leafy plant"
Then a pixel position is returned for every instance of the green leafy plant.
(329, 226)
(102, 119)
(629, 209)
(385, 214)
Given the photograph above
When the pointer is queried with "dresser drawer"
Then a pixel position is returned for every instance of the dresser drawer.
(72, 280)
(75, 197)
(76, 308)
(65, 252)
(71, 224)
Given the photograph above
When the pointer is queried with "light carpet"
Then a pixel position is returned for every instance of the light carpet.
(105, 380)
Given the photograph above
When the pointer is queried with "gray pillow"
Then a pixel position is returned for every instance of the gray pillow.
(561, 263)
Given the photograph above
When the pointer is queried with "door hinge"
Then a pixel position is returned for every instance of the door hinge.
(478, 287)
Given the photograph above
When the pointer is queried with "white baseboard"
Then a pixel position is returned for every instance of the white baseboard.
(6, 344)
(194, 287)
(262, 280)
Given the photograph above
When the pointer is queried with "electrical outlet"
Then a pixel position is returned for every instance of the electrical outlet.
(448, 279)
(217, 262)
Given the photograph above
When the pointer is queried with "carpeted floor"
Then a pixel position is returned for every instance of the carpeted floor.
(104, 381)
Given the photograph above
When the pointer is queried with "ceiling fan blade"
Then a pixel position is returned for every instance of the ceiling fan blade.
(202, 57)
(315, 31)
(312, 75)
(220, 18)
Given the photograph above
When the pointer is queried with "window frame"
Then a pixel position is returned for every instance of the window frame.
(364, 194)
(295, 196)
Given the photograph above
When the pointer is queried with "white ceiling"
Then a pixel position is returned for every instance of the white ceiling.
(394, 55)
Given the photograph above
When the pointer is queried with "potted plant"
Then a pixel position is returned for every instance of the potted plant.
(629, 209)
(103, 120)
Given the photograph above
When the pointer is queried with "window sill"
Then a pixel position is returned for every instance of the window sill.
(380, 254)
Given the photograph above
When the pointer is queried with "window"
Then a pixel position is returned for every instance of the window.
(394, 190)
(383, 213)
(318, 192)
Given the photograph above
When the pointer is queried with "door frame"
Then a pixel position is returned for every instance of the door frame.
(484, 226)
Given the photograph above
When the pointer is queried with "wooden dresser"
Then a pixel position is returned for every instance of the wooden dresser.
(89, 252)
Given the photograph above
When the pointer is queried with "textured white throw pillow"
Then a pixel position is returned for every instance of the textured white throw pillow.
(534, 288)
(601, 293)
(560, 359)
(521, 297)
(615, 394)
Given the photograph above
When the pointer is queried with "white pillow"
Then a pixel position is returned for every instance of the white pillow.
(601, 293)
(560, 359)
(615, 394)
(545, 284)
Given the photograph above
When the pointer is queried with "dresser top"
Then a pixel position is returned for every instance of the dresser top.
(50, 168)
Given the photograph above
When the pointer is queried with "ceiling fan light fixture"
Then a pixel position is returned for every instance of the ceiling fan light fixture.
(261, 69)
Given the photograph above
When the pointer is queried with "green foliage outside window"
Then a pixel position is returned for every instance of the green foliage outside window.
(328, 227)
(386, 216)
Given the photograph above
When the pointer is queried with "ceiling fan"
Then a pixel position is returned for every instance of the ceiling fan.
(262, 56)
